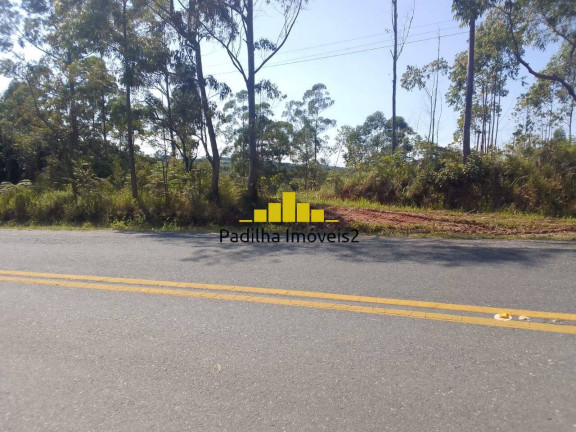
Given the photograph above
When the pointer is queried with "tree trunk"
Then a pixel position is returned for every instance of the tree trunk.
(433, 99)
(434, 104)
(215, 158)
(497, 122)
(570, 123)
(394, 78)
(104, 129)
(483, 146)
(129, 127)
(469, 92)
(169, 108)
(131, 158)
(74, 138)
(250, 86)
(493, 115)
(316, 139)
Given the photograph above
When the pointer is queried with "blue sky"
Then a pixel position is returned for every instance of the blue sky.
(360, 83)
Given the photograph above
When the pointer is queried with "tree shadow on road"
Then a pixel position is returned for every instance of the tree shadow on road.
(207, 250)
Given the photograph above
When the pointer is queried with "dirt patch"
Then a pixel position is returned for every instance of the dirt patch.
(441, 222)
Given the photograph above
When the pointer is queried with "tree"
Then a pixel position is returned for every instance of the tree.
(177, 112)
(547, 104)
(68, 84)
(25, 141)
(317, 100)
(127, 27)
(234, 125)
(309, 124)
(538, 24)
(368, 142)
(468, 11)
(193, 23)
(493, 66)
(395, 56)
(348, 138)
(9, 22)
(427, 78)
(274, 137)
(237, 30)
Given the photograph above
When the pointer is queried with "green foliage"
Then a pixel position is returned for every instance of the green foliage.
(539, 180)
(468, 10)
(373, 139)
(308, 126)
(494, 66)
(112, 78)
(100, 202)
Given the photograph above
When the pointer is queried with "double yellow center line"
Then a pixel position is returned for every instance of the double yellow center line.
(339, 302)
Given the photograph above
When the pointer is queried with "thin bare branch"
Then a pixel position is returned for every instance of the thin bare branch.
(291, 22)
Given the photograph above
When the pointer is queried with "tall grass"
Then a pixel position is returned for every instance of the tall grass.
(536, 180)
(184, 202)
(539, 180)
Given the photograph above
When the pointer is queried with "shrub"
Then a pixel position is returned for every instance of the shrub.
(538, 180)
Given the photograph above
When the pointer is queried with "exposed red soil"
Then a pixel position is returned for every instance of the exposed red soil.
(441, 222)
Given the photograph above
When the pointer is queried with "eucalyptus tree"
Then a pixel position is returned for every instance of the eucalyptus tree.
(396, 53)
(234, 126)
(9, 23)
(547, 105)
(544, 114)
(273, 137)
(542, 24)
(177, 110)
(159, 92)
(24, 138)
(563, 62)
(494, 65)
(309, 125)
(75, 38)
(132, 37)
(62, 84)
(348, 139)
(181, 104)
(426, 78)
(193, 23)
(468, 11)
(236, 35)
(97, 85)
(368, 142)
(316, 101)
(375, 134)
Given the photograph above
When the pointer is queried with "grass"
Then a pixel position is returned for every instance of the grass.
(317, 198)
(113, 226)
(408, 231)
(418, 222)
(440, 223)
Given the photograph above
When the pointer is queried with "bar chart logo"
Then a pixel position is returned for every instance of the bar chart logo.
(289, 211)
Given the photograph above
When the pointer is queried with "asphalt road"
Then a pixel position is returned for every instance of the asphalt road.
(99, 360)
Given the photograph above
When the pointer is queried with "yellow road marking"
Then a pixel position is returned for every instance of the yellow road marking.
(306, 294)
(567, 329)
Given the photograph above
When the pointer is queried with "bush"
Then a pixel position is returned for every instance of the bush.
(98, 201)
(539, 180)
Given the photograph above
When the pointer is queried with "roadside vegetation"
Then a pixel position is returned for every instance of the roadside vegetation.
(117, 126)
(528, 193)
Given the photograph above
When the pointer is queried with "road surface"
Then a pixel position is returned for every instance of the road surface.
(201, 352)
